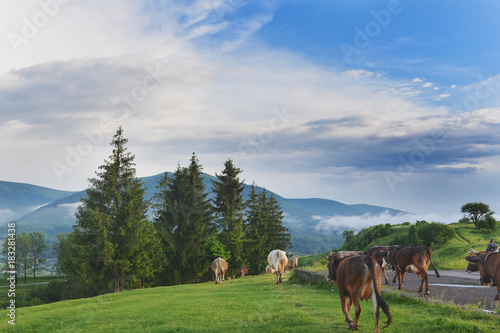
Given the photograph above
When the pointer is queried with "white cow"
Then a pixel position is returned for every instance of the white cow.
(269, 269)
(219, 266)
(278, 260)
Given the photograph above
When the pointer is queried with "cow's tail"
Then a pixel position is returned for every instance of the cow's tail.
(378, 299)
(429, 251)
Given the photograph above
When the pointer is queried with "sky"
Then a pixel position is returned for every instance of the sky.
(390, 103)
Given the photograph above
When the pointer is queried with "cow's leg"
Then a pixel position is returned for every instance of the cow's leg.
(426, 280)
(357, 313)
(385, 275)
(400, 278)
(395, 270)
(346, 308)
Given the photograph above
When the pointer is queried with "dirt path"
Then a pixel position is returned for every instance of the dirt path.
(454, 286)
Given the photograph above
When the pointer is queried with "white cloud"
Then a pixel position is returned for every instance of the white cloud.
(361, 73)
(359, 222)
(442, 96)
(417, 80)
(427, 85)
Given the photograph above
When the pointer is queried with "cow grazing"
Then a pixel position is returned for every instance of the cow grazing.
(379, 253)
(269, 269)
(292, 263)
(415, 259)
(243, 271)
(358, 277)
(488, 265)
(219, 266)
(278, 260)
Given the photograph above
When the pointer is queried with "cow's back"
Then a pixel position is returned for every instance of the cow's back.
(354, 274)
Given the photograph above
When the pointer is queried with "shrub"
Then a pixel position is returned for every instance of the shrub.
(435, 233)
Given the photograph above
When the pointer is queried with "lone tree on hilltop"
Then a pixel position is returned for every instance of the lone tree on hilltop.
(477, 211)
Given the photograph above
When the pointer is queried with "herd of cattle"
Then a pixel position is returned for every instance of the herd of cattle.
(278, 263)
(358, 275)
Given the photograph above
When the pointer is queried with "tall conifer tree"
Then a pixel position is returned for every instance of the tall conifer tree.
(112, 224)
(184, 222)
(229, 208)
(256, 238)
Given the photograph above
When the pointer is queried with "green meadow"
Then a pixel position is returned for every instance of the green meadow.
(248, 304)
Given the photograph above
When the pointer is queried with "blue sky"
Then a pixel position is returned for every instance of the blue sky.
(391, 103)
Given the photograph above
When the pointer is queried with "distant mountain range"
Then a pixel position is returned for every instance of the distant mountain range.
(52, 212)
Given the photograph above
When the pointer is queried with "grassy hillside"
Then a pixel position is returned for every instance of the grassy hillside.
(249, 304)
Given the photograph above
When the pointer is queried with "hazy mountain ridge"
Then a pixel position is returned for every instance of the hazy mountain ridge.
(300, 214)
(18, 199)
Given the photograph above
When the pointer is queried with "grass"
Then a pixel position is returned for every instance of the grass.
(249, 304)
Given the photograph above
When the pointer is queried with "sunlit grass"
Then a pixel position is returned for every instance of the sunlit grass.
(249, 304)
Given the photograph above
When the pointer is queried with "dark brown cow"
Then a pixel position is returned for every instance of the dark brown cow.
(488, 265)
(379, 253)
(415, 259)
(391, 259)
(243, 271)
(358, 277)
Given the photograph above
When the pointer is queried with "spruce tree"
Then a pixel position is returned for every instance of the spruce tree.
(112, 224)
(256, 238)
(184, 222)
(229, 208)
(279, 236)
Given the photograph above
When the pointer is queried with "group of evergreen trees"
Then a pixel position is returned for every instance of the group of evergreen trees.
(114, 246)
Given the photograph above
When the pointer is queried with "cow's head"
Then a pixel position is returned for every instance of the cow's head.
(476, 263)
(333, 264)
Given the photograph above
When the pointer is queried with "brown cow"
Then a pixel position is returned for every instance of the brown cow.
(219, 266)
(358, 277)
(243, 271)
(415, 259)
(488, 265)
(391, 259)
(379, 253)
(269, 269)
(292, 263)
(278, 260)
